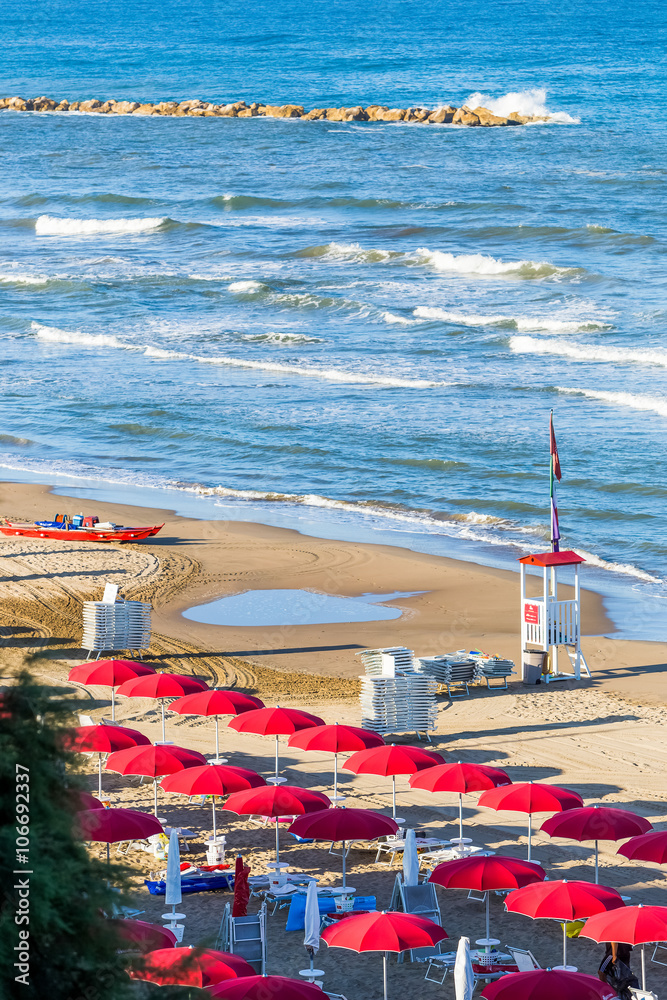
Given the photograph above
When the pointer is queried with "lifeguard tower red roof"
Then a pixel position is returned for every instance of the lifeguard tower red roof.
(567, 558)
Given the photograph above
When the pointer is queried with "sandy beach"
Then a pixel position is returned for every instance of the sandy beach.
(603, 738)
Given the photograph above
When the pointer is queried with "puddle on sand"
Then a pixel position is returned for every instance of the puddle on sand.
(294, 607)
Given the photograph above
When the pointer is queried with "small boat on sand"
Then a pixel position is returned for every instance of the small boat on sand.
(80, 528)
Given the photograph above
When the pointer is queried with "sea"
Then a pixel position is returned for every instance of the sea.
(356, 330)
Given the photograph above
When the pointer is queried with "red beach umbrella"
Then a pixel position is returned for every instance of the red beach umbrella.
(109, 673)
(105, 739)
(384, 932)
(343, 824)
(275, 722)
(110, 826)
(276, 800)
(84, 801)
(190, 967)
(392, 760)
(241, 888)
(461, 778)
(265, 987)
(216, 702)
(161, 686)
(487, 875)
(143, 936)
(335, 739)
(548, 984)
(563, 901)
(649, 847)
(153, 762)
(630, 925)
(596, 823)
(212, 779)
(530, 797)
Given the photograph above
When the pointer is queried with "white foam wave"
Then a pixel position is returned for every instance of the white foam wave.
(518, 322)
(49, 225)
(635, 401)
(357, 252)
(55, 335)
(393, 319)
(625, 569)
(588, 352)
(22, 278)
(280, 338)
(526, 102)
(246, 286)
(483, 264)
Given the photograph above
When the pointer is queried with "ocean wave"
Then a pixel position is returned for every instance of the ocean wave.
(49, 225)
(22, 278)
(624, 569)
(635, 401)
(483, 264)
(394, 319)
(349, 251)
(54, 335)
(511, 322)
(279, 338)
(526, 102)
(589, 352)
(246, 287)
(15, 441)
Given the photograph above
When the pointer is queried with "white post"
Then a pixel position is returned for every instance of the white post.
(344, 866)
(164, 738)
(215, 832)
(530, 835)
(393, 796)
(384, 973)
(524, 628)
(277, 841)
(99, 786)
(577, 626)
(113, 704)
(335, 778)
(488, 920)
(565, 944)
(643, 967)
(277, 753)
(217, 739)
(461, 816)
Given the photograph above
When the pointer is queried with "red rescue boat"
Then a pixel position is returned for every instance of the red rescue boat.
(80, 528)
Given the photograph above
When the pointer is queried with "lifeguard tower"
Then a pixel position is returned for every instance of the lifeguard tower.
(547, 623)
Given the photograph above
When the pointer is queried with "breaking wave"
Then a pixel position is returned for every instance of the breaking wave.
(49, 225)
(526, 102)
(279, 338)
(513, 322)
(244, 287)
(635, 401)
(483, 264)
(53, 335)
(588, 352)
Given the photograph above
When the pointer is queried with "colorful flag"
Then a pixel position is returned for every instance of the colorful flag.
(554, 473)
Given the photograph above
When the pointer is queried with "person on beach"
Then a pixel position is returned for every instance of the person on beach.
(615, 968)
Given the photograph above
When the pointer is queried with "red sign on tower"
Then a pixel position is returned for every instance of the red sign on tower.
(531, 614)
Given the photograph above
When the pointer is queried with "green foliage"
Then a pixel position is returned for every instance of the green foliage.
(53, 901)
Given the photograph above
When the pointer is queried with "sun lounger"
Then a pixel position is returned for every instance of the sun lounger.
(524, 959)
(638, 994)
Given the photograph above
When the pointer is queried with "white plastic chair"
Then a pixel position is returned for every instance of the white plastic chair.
(638, 994)
(524, 959)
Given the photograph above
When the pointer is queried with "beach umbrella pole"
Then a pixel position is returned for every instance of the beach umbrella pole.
(344, 866)
(565, 944)
(488, 916)
(217, 739)
(335, 777)
(215, 832)
(461, 816)
(596, 862)
(530, 835)
(113, 704)
(643, 966)
(109, 855)
(393, 796)
(277, 753)
(277, 840)
(99, 783)
(384, 973)
(155, 796)
(164, 738)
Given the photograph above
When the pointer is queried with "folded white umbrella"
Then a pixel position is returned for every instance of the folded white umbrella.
(311, 938)
(464, 977)
(410, 860)
(173, 894)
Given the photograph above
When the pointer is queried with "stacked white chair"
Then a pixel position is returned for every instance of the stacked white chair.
(123, 625)
(453, 670)
(493, 668)
(394, 697)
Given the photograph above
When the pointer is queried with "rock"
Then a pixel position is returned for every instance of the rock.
(516, 119)
(44, 104)
(91, 105)
(232, 110)
(145, 109)
(185, 107)
(355, 114)
(464, 116)
(419, 114)
(166, 107)
(392, 115)
(196, 112)
(317, 114)
(283, 111)
(488, 118)
(373, 110)
(335, 114)
(63, 106)
(4, 103)
(124, 107)
(442, 116)
(248, 113)
(75, 105)
(18, 104)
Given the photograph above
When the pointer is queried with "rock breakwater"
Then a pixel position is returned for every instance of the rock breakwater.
(193, 108)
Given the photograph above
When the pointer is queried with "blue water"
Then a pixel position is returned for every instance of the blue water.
(351, 328)
(293, 607)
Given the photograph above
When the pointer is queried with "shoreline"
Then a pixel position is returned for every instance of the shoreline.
(193, 562)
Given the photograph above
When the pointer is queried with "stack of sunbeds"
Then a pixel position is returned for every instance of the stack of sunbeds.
(395, 698)
(123, 625)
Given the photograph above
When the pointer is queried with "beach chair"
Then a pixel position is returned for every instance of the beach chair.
(525, 960)
(422, 901)
(656, 956)
(638, 994)
(244, 936)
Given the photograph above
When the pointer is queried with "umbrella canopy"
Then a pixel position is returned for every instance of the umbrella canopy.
(275, 722)
(212, 779)
(216, 702)
(262, 987)
(161, 686)
(464, 977)
(384, 932)
(649, 847)
(596, 823)
(241, 888)
(486, 875)
(142, 936)
(629, 925)
(548, 984)
(153, 762)
(343, 824)
(530, 797)
(335, 739)
(563, 901)
(104, 739)
(109, 673)
(461, 778)
(190, 967)
(276, 800)
(84, 800)
(390, 761)
(110, 826)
